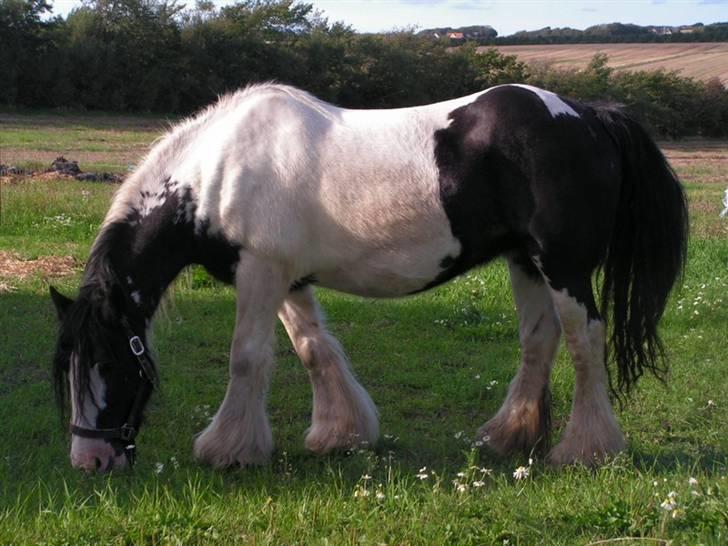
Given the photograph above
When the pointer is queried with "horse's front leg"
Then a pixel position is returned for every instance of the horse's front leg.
(343, 413)
(240, 432)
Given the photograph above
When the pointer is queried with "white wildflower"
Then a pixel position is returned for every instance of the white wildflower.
(692, 482)
(521, 473)
(380, 496)
(158, 468)
(360, 492)
(670, 503)
(478, 483)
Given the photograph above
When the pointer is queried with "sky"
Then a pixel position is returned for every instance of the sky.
(506, 16)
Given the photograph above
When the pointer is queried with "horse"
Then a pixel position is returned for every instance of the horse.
(275, 191)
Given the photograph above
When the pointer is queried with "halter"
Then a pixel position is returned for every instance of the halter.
(128, 431)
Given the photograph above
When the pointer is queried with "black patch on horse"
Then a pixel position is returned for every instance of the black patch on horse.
(303, 282)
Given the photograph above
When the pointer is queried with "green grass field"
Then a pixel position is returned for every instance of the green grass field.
(437, 365)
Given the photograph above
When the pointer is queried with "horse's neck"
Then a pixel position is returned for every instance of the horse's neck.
(143, 255)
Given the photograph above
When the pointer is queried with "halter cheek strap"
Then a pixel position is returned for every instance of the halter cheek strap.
(128, 431)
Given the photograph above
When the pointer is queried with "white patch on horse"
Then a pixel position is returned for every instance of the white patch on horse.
(93, 402)
(343, 414)
(592, 431)
(374, 226)
(90, 453)
(522, 419)
(136, 295)
(553, 102)
(152, 201)
(240, 432)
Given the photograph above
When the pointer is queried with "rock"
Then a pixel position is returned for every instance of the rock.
(63, 166)
(98, 177)
(9, 170)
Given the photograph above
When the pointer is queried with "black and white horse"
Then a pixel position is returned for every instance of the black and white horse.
(274, 191)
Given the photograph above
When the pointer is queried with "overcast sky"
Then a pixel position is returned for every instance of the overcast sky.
(506, 16)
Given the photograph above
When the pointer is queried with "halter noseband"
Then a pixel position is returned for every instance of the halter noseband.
(128, 431)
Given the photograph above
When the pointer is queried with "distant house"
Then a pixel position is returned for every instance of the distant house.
(456, 36)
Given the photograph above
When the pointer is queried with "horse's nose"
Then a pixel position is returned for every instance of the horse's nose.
(94, 455)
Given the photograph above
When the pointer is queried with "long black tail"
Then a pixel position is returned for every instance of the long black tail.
(647, 252)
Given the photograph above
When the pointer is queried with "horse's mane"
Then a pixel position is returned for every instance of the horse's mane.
(90, 321)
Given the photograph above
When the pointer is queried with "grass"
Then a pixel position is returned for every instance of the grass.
(438, 365)
(100, 142)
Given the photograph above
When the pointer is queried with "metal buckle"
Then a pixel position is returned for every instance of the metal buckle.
(137, 347)
(127, 433)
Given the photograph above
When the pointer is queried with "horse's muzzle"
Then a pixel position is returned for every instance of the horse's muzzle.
(93, 455)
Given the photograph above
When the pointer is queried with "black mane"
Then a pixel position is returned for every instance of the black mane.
(94, 318)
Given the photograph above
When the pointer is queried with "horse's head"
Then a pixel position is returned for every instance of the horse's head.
(102, 364)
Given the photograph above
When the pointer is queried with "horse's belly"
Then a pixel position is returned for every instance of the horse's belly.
(390, 274)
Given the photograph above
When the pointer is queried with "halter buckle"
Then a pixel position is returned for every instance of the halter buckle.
(137, 347)
(127, 433)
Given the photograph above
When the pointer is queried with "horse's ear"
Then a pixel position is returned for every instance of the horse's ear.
(61, 302)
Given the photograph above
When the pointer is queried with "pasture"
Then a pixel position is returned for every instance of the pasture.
(437, 365)
(701, 61)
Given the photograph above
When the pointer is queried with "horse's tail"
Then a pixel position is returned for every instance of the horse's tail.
(646, 254)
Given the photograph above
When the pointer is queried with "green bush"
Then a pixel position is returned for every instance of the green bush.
(156, 55)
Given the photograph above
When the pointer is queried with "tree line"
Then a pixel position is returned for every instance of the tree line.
(158, 56)
(617, 33)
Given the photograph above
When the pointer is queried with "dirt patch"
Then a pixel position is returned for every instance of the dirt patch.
(6, 288)
(59, 168)
(13, 267)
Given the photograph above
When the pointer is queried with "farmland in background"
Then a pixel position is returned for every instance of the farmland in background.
(701, 61)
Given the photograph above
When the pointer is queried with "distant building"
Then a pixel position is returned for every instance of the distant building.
(456, 36)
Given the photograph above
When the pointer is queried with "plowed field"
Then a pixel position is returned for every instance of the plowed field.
(702, 61)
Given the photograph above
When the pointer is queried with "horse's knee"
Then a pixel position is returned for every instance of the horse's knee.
(250, 359)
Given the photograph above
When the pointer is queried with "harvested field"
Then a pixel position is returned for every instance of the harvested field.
(702, 61)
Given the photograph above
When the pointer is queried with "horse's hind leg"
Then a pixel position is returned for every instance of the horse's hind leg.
(240, 433)
(592, 431)
(343, 413)
(523, 421)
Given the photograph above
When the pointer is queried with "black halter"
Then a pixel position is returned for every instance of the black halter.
(128, 431)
